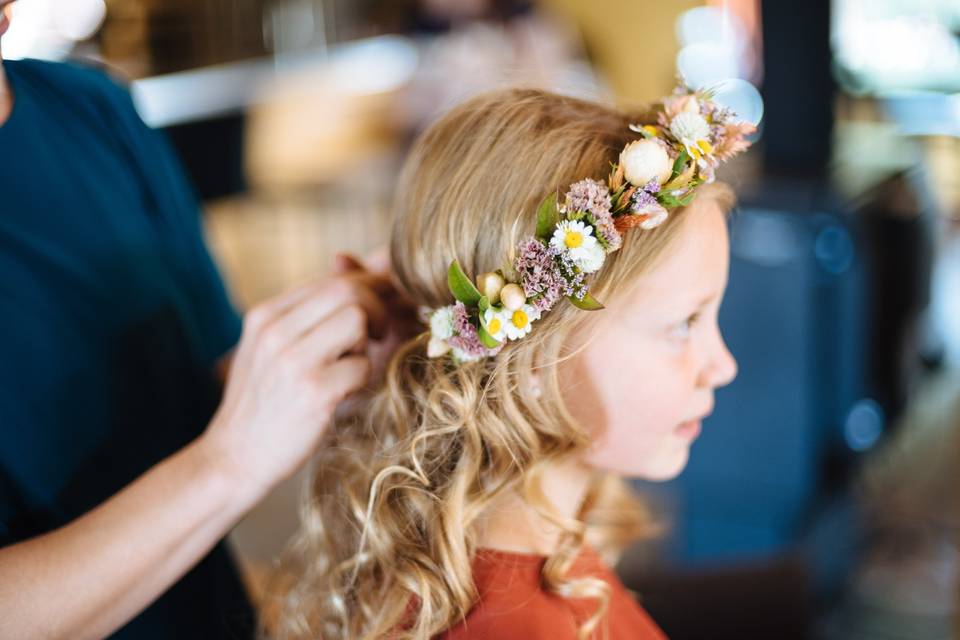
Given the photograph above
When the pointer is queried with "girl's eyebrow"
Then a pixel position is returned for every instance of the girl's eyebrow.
(707, 300)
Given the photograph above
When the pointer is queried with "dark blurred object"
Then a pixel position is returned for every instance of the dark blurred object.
(151, 37)
(898, 225)
(430, 17)
(798, 87)
(758, 600)
(211, 151)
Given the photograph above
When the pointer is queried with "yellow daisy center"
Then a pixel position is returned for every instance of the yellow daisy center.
(705, 146)
(519, 319)
(494, 326)
(573, 239)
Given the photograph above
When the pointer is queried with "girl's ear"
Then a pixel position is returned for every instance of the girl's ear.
(535, 386)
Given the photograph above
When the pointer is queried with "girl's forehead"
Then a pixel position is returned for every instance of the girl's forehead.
(693, 269)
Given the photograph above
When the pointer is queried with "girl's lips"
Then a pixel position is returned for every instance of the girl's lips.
(689, 429)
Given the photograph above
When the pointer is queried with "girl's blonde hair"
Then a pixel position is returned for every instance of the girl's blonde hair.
(388, 524)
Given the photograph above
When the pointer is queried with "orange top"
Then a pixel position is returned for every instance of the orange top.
(513, 606)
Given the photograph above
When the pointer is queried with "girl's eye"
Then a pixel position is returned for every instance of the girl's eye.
(683, 329)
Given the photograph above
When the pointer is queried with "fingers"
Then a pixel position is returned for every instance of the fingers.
(345, 262)
(282, 303)
(294, 313)
(305, 316)
(344, 332)
(343, 377)
(377, 262)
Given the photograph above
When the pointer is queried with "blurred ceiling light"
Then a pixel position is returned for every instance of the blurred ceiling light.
(705, 63)
(906, 44)
(896, 45)
(714, 46)
(363, 67)
(374, 65)
(48, 29)
(741, 97)
(708, 24)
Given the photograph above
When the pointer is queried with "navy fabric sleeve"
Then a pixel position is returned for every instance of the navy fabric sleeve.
(177, 219)
(113, 313)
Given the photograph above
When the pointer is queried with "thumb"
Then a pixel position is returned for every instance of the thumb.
(345, 263)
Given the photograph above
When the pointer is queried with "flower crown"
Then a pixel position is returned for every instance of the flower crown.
(676, 153)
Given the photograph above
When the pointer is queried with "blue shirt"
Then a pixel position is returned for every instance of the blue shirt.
(112, 317)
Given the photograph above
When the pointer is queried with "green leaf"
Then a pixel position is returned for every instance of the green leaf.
(486, 339)
(672, 202)
(547, 217)
(668, 200)
(461, 287)
(587, 304)
(483, 304)
(679, 163)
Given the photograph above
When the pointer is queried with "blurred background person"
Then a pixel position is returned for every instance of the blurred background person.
(291, 116)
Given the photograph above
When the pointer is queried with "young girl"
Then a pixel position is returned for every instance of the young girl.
(572, 341)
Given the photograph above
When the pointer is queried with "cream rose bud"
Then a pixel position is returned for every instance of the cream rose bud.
(644, 160)
(437, 347)
(490, 285)
(513, 296)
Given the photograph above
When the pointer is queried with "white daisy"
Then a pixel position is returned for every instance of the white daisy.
(689, 127)
(496, 321)
(574, 237)
(518, 322)
(441, 323)
(694, 132)
(593, 260)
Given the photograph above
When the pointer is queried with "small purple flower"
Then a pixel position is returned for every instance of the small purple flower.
(572, 276)
(643, 199)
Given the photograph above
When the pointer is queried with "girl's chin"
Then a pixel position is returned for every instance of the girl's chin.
(661, 470)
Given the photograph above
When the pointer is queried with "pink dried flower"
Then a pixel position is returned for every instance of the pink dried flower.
(466, 337)
(546, 274)
(731, 139)
(593, 197)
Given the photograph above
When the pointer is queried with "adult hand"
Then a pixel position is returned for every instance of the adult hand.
(299, 356)
(402, 322)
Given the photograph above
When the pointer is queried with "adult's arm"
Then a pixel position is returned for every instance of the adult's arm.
(298, 357)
